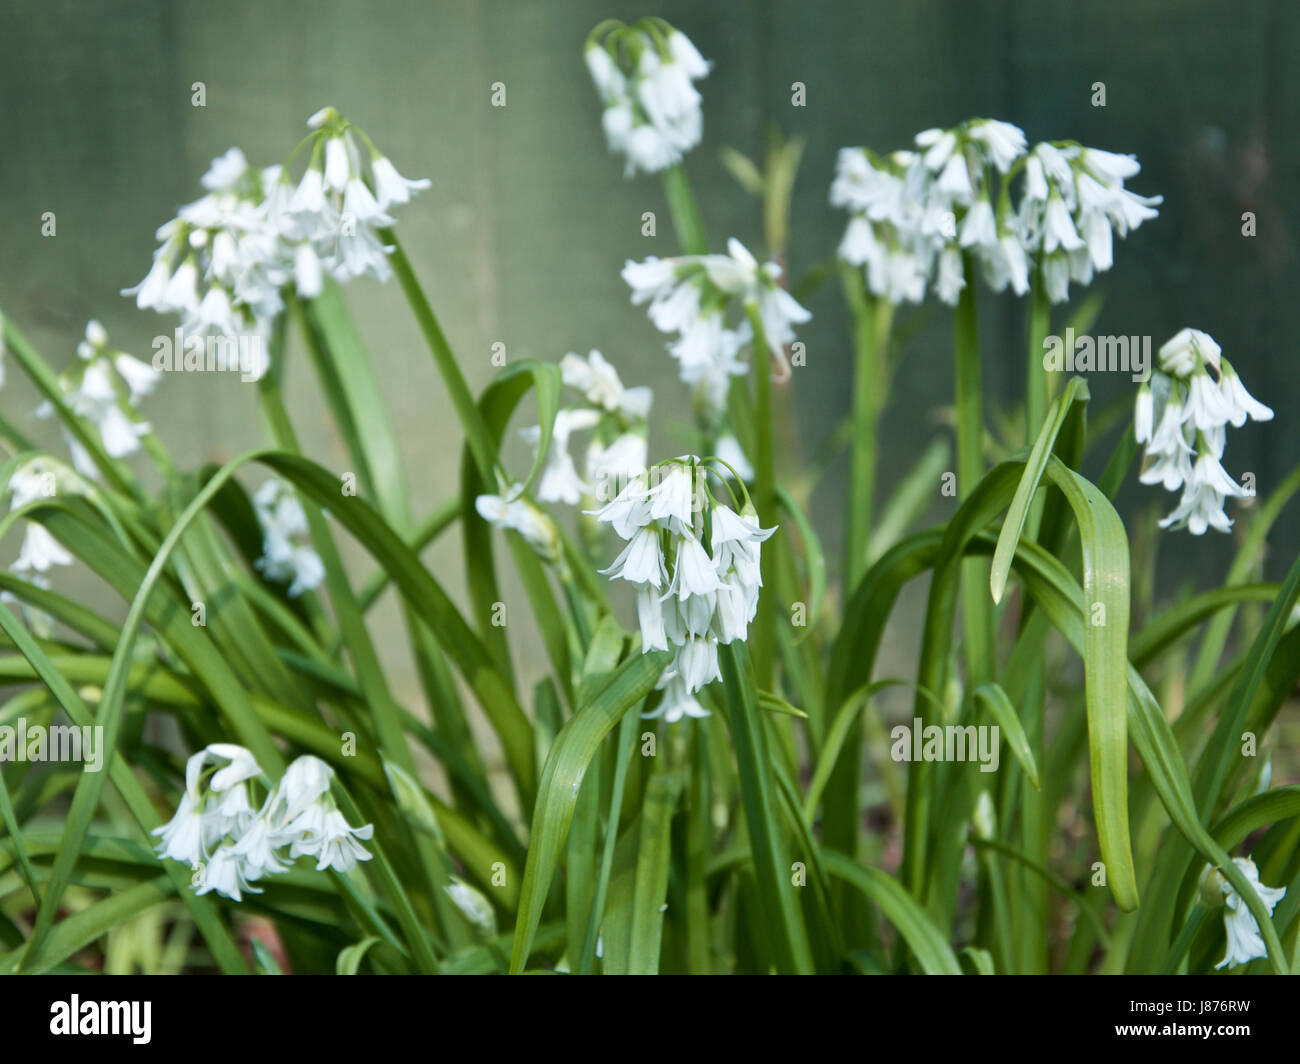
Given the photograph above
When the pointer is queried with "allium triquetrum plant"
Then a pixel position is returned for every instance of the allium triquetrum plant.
(705, 781)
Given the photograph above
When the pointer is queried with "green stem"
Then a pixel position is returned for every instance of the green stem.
(871, 324)
(685, 213)
(577, 605)
(690, 236)
(977, 604)
(1037, 385)
(872, 320)
(476, 434)
(699, 843)
(1035, 816)
(1036, 382)
(1033, 895)
(764, 497)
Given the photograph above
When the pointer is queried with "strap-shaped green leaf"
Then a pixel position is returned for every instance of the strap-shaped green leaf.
(1013, 524)
(649, 896)
(1105, 665)
(995, 700)
(78, 820)
(1168, 627)
(561, 779)
(814, 556)
(923, 938)
(1061, 598)
(1105, 556)
(350, 958)
(771, 864)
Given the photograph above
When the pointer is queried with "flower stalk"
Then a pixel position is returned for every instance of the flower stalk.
(977, 605)
(872, 322)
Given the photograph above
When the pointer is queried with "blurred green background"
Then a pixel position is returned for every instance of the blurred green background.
(528, 221)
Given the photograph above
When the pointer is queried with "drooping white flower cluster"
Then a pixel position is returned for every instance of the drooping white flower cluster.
(285, 557)
(644, 74)
(617, 448)
(688, 598)
(40, 550)
(219, 264)
(915, 214)
(104, 386)
(1072, 206)
(340, 201)
(697, 297)
(512, 511)
(219, 832)
(1245, 943)
(224, 259)
(602, 388)
(1182, 416)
